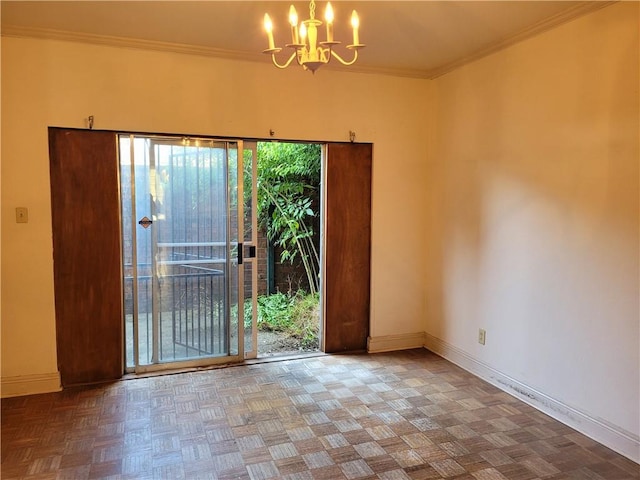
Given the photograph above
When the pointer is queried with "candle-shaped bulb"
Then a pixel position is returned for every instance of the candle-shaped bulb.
(268, 26)
(293, 16)
(328, 16)
(328, 13)
(293, 20)
(303, 33)
(355, 23)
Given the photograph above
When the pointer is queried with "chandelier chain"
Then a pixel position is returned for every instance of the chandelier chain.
(312, 9)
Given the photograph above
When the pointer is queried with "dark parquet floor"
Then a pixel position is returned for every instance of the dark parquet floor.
(401, 415)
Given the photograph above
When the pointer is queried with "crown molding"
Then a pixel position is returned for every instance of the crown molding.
(580, 9)
(373, 70)
(126, 42)
(135, 43)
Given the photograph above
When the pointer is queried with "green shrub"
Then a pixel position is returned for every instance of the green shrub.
(274, 312)
(296, 316)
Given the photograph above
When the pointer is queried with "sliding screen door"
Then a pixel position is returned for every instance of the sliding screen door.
(188, 234)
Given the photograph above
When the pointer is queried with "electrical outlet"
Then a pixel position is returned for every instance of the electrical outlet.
(482, 336)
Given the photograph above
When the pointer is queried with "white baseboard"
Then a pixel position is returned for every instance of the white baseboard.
(390, 343)
(623, 442)
(29, 384)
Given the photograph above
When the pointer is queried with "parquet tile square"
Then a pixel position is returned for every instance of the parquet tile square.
(394, 416)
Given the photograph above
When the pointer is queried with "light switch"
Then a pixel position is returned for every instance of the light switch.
(22, 215)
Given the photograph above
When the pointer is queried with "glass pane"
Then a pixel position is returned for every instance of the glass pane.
(248, 159)
(127, 245)
(232, 179)
(190, 222)
(136, 244)
(248, 306)
(143, 252)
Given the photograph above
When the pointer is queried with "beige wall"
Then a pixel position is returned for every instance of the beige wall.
(534, 217)
(52, 83)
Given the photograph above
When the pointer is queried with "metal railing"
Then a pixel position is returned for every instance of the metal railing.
(192, 311)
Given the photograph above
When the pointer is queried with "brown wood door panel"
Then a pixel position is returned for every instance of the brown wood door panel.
(86, 255)
(347, 281)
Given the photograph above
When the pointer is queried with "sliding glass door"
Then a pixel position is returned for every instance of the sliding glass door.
(188, 251)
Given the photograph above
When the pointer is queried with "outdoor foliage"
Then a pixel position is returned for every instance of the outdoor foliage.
(288, 173)
(294, 315)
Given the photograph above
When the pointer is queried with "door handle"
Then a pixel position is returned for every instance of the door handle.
(145, 222)
(241, 255)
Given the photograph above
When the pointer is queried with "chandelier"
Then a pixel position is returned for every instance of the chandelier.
(310, 53)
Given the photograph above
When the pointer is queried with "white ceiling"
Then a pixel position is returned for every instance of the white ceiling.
(412, 38)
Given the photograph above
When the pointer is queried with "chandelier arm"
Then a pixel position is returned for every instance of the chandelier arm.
(343, 61)
(287, 63)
